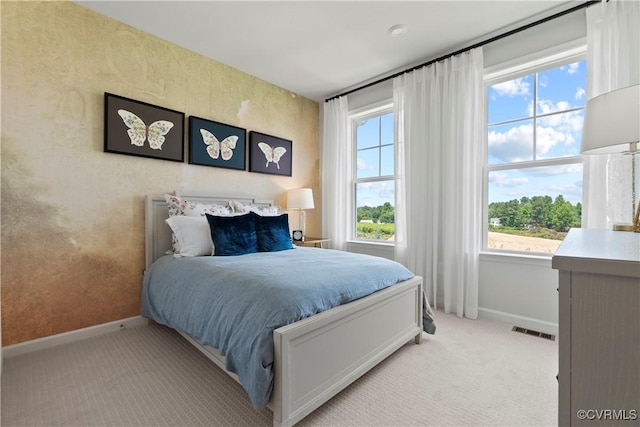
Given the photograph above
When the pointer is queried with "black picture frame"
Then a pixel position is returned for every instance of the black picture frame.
(207, 139)
(127, 124)
(259, 158)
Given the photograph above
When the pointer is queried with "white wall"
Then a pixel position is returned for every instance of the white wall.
(517, 289)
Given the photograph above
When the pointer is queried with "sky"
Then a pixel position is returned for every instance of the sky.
(557, 135)
(375, 158)
(510, 137)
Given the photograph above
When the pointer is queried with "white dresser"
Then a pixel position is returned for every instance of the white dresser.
(599, 328)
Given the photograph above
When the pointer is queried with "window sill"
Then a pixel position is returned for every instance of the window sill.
(542, 260)
(371, 243)
(382, 249)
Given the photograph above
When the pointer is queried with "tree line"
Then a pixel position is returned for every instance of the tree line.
(528, 212)
(383, 214)
(537, 211)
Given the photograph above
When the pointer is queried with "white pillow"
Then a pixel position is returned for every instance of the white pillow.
(193, 235)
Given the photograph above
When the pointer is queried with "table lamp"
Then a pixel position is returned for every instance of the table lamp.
(612, 125)
(300, 199)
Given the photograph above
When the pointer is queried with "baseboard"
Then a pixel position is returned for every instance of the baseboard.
(68, 337)
(525, 322)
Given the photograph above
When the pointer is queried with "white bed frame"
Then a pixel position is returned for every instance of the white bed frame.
(317, 357)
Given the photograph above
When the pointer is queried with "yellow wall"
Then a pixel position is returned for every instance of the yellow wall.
(72, 215)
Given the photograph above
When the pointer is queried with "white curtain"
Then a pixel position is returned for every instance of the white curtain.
(613, 57)
(336, 170)
(439, 113)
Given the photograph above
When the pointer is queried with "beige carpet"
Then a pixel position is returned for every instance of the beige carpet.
(470, 373)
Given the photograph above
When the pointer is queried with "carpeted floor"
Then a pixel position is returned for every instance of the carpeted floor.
(471, 373)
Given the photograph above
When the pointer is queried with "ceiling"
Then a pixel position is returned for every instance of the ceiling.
(321, 48)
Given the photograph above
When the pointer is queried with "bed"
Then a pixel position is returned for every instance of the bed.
(314, 358)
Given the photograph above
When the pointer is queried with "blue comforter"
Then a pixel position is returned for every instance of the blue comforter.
(235, 303)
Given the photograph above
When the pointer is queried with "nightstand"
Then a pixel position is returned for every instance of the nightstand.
(316, 242)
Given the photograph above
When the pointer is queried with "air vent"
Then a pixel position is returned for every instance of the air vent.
(534, 333)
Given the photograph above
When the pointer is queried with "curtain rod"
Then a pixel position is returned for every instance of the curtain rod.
(466, 49)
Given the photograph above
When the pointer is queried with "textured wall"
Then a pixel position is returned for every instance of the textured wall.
(72, 215)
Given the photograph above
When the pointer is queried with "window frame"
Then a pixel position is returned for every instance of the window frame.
(369, 111)
(514, 69)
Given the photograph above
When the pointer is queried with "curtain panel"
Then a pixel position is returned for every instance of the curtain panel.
(336, 167)
(613, 61)
(439, 114)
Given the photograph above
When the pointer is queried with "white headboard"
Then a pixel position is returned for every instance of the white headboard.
(157, 234)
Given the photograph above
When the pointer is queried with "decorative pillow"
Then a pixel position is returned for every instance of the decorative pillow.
(179, 207)
(200, 209)
(264, 210)
(238, 207)
(192, 234)
(175, 205)
(233, 235)
(272, 233)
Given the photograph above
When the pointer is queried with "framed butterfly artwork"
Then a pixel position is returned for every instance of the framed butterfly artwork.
(269, 154)
(216, 144)
(140, 129)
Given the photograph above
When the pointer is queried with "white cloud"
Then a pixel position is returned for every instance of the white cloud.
(514, 145)
(503, 180)
(375, 193)
(565, 122)
(361, 164)
(547, 171)
(580, 93)
(542, 80)
(511, 88)
(545, 106)
(571, 68)
(549, 137)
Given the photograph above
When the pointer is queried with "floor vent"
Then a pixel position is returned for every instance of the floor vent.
(534, 333)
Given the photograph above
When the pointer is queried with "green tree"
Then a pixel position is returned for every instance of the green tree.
(563, 216)
(541, 211)
(510, 218)
(524, 214)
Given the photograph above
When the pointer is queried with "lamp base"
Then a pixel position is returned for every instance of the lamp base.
(623, 227)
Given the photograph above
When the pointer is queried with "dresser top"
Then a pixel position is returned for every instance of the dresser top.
(599, 251)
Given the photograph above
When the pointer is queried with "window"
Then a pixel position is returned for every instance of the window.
(533, 173)
(374, 181)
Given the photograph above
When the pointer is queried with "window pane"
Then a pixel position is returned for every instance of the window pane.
(510, 100)
(386, 129)
(532, 209)
(375, 210)
(511, 142)
(368, 163)
(387, 166)
(562, 88)
(368, 133)
(559, 135)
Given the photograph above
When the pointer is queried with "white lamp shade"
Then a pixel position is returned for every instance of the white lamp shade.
(300, 198)
(612, 121)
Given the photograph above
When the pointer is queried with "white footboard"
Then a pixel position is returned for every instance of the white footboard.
(319, 356)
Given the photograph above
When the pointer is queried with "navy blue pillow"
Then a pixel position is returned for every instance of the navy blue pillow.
(273, 233)
(233, 235)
